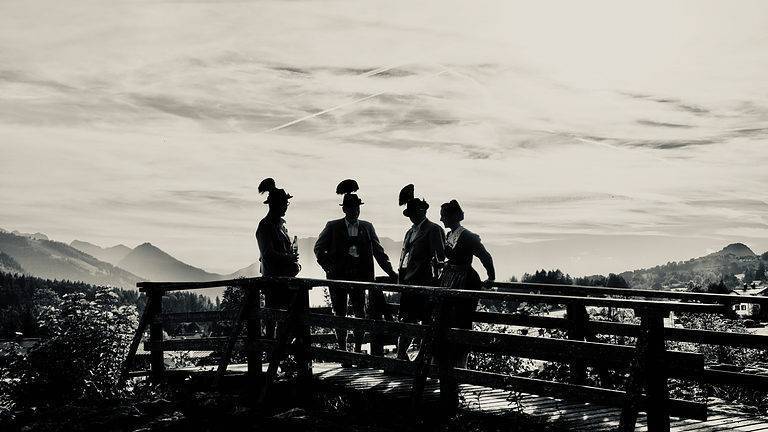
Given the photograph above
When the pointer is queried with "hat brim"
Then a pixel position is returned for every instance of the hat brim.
(352, 204)
(287, 197)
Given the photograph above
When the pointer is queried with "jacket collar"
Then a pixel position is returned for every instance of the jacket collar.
(422, 229)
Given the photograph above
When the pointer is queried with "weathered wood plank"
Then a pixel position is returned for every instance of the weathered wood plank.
(581, 290)
(385, 363)
(202, 316)
(680, 363)
(368, 325)
(755, 381)
(134, 346)
(623, 329)
(155, 308)
(561, 390)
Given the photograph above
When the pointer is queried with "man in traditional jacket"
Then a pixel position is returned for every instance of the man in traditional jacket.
(278, 257)
(423, 246)
(345, 249)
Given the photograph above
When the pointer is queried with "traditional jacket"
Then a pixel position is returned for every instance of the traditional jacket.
(422, 243)
(275, 247)
(350, 257)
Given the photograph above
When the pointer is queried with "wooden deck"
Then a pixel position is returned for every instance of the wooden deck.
(572, 415)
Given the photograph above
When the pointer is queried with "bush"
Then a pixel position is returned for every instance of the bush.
(80, 354)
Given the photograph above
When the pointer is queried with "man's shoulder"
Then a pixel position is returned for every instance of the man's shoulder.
(264, 222)
(365, 224)
(432, 225)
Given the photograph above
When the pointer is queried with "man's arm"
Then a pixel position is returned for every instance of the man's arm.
(437, 240)
(321, 247)
(381, 256)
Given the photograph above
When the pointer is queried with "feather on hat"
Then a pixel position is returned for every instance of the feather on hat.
(275, 194)
(347, 186)
(406, 194)
(267, 185)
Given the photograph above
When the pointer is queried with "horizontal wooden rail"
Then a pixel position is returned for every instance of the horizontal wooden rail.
(581, 290)
(678, 407)
(678, 334)
(202, 316)
(683, 364)
(435, 293)
(710, 337)
(217, 343)
(368, 325)
(385, 363)
(755, 381)
(214, 315)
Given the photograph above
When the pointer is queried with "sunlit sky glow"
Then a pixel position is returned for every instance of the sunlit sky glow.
(593, 127)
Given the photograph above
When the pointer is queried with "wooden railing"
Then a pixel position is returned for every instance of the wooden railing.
(649, 362)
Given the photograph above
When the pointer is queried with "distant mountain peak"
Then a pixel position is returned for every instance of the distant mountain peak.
(112, 255)
(155, 264)
(738, 249)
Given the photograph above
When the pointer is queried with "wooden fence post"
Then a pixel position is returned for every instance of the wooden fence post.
(648, 371)
(304, 343)
(142, 327)
(424, 358)
(234, 335)
(446, 363)
(157, 361)
(377, 305)
(577, 330)
(253, 325)
(656, 374)
(285, 331)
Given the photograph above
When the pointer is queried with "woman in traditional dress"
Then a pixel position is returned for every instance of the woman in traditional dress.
(461, 246)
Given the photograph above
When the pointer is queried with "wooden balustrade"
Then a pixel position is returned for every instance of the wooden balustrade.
(649, 362)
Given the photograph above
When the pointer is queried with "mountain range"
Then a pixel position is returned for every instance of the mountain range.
(118, 266)
(37, 256)
(123, 266)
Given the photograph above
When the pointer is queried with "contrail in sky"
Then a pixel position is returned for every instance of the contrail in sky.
(327, 110)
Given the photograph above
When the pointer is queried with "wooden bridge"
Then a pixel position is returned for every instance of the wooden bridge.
(643, 402)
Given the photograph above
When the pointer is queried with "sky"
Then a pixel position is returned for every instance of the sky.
(594, 136)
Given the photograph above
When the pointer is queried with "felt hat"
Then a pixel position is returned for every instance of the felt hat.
(351, 199)
(274, 195)
(415, 204)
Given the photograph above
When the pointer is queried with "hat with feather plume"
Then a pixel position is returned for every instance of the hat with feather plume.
(347, 188)
(274, 194)
(410, 202)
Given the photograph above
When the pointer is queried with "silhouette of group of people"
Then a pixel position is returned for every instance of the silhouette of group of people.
(347, 247)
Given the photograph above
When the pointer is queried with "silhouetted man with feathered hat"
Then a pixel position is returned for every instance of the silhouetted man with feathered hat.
(346, 249)
(424, 244)
(278, 257)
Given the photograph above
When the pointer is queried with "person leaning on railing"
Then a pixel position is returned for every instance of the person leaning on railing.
(278, 258)
(461, 246)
